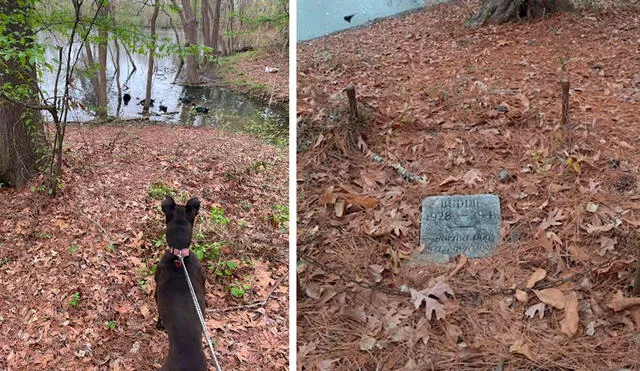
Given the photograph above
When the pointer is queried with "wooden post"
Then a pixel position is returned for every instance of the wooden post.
(564, 83)
(353, 104)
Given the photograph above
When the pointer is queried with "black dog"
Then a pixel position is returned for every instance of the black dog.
(176, 312)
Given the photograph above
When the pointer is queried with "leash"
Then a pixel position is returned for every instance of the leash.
(195, 302)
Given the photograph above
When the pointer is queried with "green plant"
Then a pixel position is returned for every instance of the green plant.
(72, 249)
(112, 325)
(218, 217)
(238, 289)
(4, 260)
(75, 299)
(207, 251)
(159, 242)
(159, 190)
(111, 247)
(280, 217)
(225, 268)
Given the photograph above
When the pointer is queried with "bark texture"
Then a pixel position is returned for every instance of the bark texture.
(20, 128)
(504, 11)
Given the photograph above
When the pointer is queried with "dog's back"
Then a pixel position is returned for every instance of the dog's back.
(176, 311)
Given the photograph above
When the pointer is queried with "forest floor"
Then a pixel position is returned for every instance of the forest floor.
(457, 106)
(246, 72)
(77, 269)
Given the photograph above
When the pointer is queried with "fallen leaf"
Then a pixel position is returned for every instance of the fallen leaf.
(328, 196)
(521, 347)
(450, 179)
(439, 290)
(553, 218)
(536, 308)
(552, 296)
(339, 207)
(367, 343)
(376, 271)
(569, 325)
(366, 202)
(606, 244)
(522, 296)
(619, 302)
(472, 176)
(536, 277)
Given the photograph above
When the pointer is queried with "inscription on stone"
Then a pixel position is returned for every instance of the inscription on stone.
(468, 224)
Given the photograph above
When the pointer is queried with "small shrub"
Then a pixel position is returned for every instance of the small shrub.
(218, 217)
(75, 299)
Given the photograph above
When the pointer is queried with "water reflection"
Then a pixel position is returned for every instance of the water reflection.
(226, 109)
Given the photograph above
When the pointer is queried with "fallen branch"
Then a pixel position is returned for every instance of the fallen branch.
(252, 305)
(98, 224)
(401, 170)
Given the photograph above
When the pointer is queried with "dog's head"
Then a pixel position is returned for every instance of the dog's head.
(180, 221)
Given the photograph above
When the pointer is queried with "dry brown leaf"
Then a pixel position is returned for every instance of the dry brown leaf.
(328, 197)
(569, 325)
(520, 347)
(439, 290)
(376, 271)
(472, 176)
(450, 179)
(339, 208)
(536, 277)
(553, 296)
(366, 202)
(591, 229)
(554, 218)
(531, 311)
(522, 296)
(619, 302)
(606, 244)
(367, 343)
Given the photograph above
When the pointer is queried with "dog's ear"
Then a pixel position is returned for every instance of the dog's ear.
(168, 205)
(192, 207)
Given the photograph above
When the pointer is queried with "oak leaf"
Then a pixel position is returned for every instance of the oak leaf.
(430, 296)
(569, 325)
(552, 296)
(536, 308)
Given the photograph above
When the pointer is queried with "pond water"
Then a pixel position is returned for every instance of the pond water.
(228, 110)
(317, 18)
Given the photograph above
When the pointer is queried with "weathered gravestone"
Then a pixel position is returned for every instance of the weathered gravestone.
(457, 224)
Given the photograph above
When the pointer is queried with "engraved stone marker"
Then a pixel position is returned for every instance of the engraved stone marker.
(457, 224)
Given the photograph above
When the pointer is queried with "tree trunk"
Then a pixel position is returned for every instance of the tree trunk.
(215, 28)
(504, 11)
(21, 134)
(206, 23)
(103, 36)
(190, 27)
(152, 52)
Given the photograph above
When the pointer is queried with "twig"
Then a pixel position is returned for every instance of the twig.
(498, 291)
(98, 224)
(253, 305)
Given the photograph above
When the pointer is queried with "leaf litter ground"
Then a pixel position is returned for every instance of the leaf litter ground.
(77, 270)
(456, 106)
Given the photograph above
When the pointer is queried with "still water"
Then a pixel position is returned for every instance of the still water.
(227, 109)
(317, 18)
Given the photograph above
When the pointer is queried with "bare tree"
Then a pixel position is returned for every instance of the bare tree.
(190, 26)
(152, 52)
